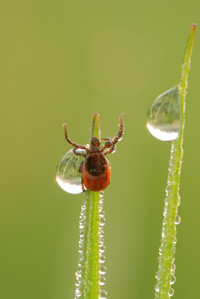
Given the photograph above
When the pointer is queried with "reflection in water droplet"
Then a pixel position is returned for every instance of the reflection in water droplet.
(164, 116)
(68, 176)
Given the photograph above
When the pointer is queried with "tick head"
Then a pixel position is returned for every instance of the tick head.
(95, 145)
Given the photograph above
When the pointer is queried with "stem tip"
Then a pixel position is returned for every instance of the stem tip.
(193, 27)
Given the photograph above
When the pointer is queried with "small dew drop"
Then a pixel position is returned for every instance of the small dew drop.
(102, 259)
(179, 200)
(171, 292)
(102, 281)
(165, 211)
(78, 273)
(102, 249)
(102, 221)
(102, 214)
(166, 201)
(164, 220)
(158, 276)
(173, 268)
(177, 220)
(172, 279)
(101, 233)
(102, 270)
(78, 293)
(68, 176)
(101, 241)
(164, 116)
(156, 288)
(103, 294)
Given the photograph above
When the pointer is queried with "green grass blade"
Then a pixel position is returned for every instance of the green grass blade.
(165, 275)
(88, 273)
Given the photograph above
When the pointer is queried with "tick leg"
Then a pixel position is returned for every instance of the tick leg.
(110, 150)
(121, 130)
(74, 143)
(81, 168)
(82, 185)
(78, 154)
(111, 144)
(107, 144)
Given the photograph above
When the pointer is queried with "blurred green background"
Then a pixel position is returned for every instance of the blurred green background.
(61, 61)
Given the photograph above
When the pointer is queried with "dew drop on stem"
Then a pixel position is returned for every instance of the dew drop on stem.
(177, 220)
(164, 116)
(68, 175)
(171, 292)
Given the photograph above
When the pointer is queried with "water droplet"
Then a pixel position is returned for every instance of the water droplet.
(102, 214)
(102, 221)
(101, 241)
(78, 293)
(102, 259)
(164, 220)
(165, 211)
(166, 200)
(164, 116)
(103, 294)
(179, 200)
(68, 176)
(102, 281)
(177, 219)
(172, 279)
(171, 292)
(175, 240)
(78, 273)
(102, 270)
(101, 233)
(173, 268)
(156, 288)
(102, 249)
(158, 276)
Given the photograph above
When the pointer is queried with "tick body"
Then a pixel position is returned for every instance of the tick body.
(95, 168)
(96, 172)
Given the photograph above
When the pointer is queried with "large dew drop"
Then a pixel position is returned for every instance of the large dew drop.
(68, 175)
(164, 116)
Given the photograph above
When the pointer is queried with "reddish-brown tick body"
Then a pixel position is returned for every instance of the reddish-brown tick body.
(95, 168)
(96, 172)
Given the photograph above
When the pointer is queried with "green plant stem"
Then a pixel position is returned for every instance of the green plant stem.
(165, 275)
(88, 267)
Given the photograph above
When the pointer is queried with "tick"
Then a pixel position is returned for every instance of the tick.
(95, 168)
